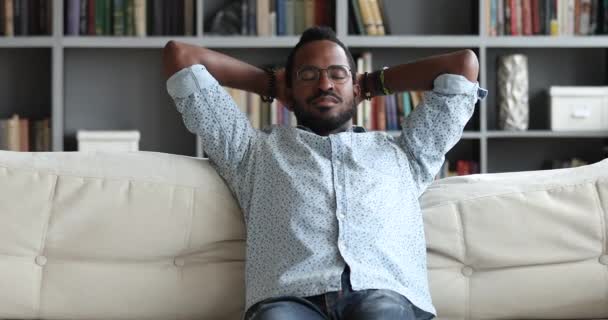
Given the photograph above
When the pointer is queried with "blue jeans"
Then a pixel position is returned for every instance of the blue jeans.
(346, 304)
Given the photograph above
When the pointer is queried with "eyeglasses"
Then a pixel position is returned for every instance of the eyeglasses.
(336, 73)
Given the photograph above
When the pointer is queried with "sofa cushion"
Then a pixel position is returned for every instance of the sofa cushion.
(117, 236)
(516, 245)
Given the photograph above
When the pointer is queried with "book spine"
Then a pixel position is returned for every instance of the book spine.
(290, 25)
(585, 17)
(140, 17)
(281, 27)
(189, 17)
(107, 15)
(129, 17)
(299, 16)
(24, 18)
(118, 15)
(82, 27)
(157, 20)
(2, 16)
(377, 17)
(367, 16)
(526, 17)
(14, 143)
(72, 17)
(309, 13)
(262, 17)
(8, 18)
(357, 13)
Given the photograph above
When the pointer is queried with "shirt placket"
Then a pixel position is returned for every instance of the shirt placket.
(338, 171)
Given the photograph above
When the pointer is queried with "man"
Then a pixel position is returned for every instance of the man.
(334, 228)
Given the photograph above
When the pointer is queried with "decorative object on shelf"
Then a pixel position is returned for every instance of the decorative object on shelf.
(118, 141)
(227, 21)
(579, 108)
(512, 83)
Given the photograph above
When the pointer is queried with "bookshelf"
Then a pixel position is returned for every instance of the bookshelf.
(116, 83)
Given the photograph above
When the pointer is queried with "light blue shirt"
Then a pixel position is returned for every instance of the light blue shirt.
(314, 203)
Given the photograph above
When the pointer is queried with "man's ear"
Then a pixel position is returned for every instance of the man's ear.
(357, 94)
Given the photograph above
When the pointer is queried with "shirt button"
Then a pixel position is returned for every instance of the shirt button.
(40, 260)
(341, 215)
(467, 271)
(341, 245)
(179, 262)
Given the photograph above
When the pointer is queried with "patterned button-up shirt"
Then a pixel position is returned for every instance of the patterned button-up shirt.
(314, 203)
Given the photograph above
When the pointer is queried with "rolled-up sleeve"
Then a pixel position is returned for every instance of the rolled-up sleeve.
(209, 112)
(436, 125)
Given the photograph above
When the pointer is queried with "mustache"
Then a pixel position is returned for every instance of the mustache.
(322, 93)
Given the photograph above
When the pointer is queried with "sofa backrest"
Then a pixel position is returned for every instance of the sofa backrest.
(156, 236)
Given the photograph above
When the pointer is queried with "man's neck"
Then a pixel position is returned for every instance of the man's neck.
(346, 127)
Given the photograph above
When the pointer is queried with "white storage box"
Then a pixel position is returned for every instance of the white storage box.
(579, 108)
(119, 141)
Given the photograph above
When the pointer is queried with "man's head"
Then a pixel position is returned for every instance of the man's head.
(320, 76)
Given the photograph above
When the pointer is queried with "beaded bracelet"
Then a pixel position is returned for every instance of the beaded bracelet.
(366, 92)
(272, 79)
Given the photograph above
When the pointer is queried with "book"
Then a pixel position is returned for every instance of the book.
(290, 23)
(262, 17)
(377, 17)
(129, 17)
(356, 12)
(82, 14)
(299, 16)
(3, 134)
(189, 17)
(367, 17)
(309, 13)
(2, 17)
(24, 135)
(281, 10)
(140, 17)
(13, 133)
(8, 18)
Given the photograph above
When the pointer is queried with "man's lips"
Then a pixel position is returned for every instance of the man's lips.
(325, 100)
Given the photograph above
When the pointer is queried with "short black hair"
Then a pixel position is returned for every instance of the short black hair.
(317, 34)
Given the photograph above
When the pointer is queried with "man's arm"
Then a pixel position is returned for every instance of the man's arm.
(419, 75)
(207, 109)
(435, 125)
(227, 70)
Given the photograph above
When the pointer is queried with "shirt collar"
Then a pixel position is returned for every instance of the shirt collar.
(352, 128)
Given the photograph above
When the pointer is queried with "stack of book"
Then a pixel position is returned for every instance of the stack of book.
(284, 17)
(129, 17)
(368, 17)
(23, 134)
(26, 17)
(463, 168)
(262, 114)
(559, 163)
(546, 17)
(384, 112)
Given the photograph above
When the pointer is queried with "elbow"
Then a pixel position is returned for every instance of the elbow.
(175, 57)
(469, 65)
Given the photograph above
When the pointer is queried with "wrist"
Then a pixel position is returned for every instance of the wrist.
(271, 84)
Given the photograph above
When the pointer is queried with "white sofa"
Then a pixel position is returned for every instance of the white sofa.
(148, 235)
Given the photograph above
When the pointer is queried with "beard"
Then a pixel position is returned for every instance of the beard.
(326, 123)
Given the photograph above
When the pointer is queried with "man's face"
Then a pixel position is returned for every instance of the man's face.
(326, 102)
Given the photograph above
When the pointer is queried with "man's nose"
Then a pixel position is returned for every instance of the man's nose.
(325, 83)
